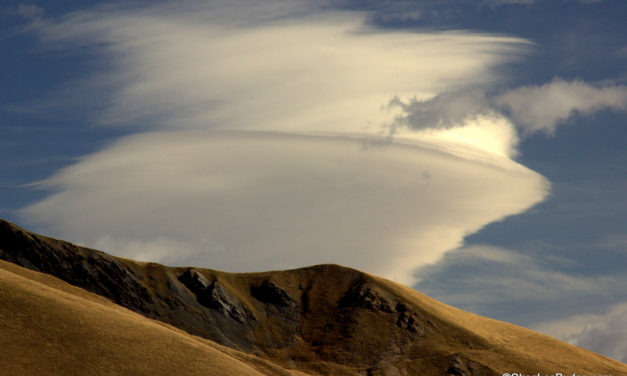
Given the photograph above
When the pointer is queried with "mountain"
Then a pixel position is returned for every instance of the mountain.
(127, 317)
(49, 327)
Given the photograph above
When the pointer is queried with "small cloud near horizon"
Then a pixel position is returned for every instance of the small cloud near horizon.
(533, 109)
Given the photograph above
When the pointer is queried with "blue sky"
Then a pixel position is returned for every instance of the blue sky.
(475, 150)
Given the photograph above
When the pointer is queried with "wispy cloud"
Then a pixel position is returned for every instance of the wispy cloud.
(533, 291)
(253, 122)
(232, 65)
(532, 109)
(527, 290)
(513, 277)
(30, 12)
(267, 200)
(604, 333)
(543, 108)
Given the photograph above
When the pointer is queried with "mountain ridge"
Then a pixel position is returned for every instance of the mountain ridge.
(323, 319)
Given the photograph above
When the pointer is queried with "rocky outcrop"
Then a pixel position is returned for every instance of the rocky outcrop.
(410, 321)
(458, 368)
(92, 270)
(365, 297)
(269, 293)
(149, 289)
(461, 366)
(323, 320)
(194, 281)
(372, 299)
(320, 314)
(216, 296)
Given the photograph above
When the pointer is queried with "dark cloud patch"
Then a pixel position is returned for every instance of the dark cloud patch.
(443, 111)
(535, 108)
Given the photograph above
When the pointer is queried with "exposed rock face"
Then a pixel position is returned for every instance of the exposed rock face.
(291, 317)
(92, 270)
(458, 368)
(194, 281)
(269, 293)
(365, 297)
(295, 319)
(372, 299)
(216, 296)
(324, 319)
(149, 289)
(409, 320)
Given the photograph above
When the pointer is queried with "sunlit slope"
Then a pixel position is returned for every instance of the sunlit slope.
(509, 348)
(324, 319)
(48, 327)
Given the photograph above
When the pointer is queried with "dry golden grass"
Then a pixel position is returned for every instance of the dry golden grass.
(48, 327)
(335, 321)
(513, 349)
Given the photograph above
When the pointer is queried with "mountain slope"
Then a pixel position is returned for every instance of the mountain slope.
(324, 319)
(51, 328)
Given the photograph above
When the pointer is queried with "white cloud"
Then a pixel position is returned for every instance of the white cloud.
(30, 12)
(196, 66)
(531, 108)
(495, 275)
(543, 108)
(253, 201)
(534, 291)
(159, 248)
(604, 333)
(258, 125)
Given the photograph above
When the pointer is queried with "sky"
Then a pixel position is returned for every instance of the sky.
(473, 150)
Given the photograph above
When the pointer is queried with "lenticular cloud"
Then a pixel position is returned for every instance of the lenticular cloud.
(264, 141)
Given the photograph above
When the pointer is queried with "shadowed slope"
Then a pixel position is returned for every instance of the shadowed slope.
(51, 328)
(323, 319)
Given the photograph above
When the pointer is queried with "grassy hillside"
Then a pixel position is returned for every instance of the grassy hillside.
(324, 319)
(48, 327)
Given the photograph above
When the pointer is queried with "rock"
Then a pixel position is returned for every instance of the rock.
(216, 296)
(270, 293)
(458, 368)
(383, 370)
(194, 281)
(92, 270)
(408, 320)
(220, 298)
(365, 297)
